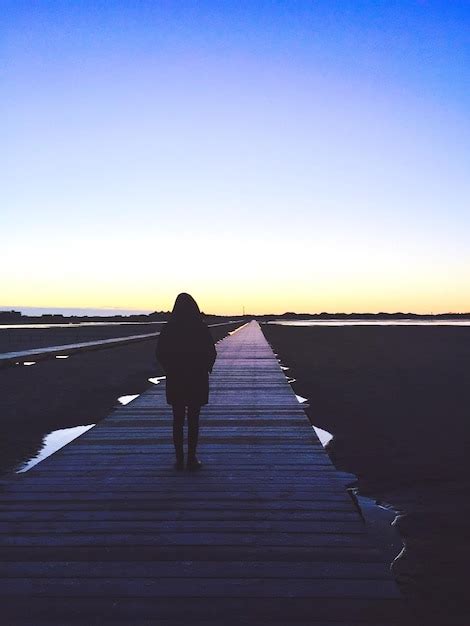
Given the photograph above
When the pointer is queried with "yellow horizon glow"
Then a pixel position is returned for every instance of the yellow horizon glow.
(253, 303)
(270, 276)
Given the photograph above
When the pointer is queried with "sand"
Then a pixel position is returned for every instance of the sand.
(397, 402)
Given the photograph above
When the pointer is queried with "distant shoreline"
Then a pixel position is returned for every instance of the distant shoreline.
(366, 316)
(15, 317)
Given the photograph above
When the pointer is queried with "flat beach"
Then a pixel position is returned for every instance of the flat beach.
(396, 400)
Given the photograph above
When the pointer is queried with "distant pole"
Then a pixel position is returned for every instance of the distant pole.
(243, 310)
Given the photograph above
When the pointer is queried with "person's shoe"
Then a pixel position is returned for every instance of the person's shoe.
(179, 464)
(193, 464)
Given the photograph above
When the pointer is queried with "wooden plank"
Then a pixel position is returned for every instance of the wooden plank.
(198, 569)
(182, 525)
(243, 610)
(35, 515)
(219, 553)
(185, 539)
(213, 587)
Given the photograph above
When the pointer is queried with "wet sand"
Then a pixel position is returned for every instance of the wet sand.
(63, 393)
(397, 402)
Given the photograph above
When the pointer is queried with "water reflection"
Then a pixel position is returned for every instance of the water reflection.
(379, 519)
(54, 441)
(324, 436)
(156, 379)
(127, 399)
(406, 322)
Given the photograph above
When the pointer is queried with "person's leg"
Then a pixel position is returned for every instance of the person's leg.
(179, 411)
(193, 434)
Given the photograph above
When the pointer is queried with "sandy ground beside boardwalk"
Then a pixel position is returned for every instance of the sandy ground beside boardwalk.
(397, 400)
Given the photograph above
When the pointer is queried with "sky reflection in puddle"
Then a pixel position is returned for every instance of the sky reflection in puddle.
(127, 399)
(54, 441)
(379, 518)
(324, 436)
(372, 322)
(156, 379)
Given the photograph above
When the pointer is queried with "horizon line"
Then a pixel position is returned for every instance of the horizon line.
(128, 312)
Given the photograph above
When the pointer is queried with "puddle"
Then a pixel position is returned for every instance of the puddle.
(54, 441)
(373, 322)
(156, 380)
(324, 436)
(59, 438)
(379, 518)
(127, 399)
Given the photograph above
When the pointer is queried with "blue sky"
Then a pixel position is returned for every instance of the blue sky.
(277, 155)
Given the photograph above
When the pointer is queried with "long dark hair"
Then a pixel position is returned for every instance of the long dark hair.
(185, 310)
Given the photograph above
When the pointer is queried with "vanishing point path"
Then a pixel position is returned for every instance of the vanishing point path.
(106, 531)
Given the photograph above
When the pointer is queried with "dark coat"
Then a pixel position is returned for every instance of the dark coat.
(187, 353)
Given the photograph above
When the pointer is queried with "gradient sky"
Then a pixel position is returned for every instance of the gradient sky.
(305, 156)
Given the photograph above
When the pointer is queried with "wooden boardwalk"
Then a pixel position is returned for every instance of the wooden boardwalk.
(106, 531)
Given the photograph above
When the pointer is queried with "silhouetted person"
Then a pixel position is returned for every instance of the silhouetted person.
(187, 353)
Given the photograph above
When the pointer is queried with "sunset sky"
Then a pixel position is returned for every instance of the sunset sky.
(301, 156)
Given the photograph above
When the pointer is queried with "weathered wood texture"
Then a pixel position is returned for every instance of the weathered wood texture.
(106, 531)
